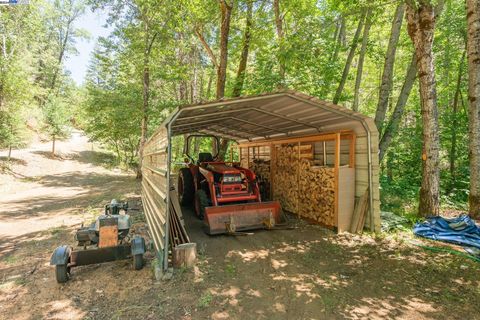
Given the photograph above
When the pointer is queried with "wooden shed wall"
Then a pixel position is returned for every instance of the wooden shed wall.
(361, 164)
(154, 185)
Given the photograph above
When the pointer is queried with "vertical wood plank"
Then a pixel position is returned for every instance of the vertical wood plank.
(273, 158)
(337, 169)
(325, 153)
(353, 142)
(298, 179)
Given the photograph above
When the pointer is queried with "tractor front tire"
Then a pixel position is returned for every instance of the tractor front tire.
(138, 261)
(61, 273)
(201, 201)
(185, 187)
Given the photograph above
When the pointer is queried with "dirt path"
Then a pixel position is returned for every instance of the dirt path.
(47, 192)
(307, 273)
(42, 201)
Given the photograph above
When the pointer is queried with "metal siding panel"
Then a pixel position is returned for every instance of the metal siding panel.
(154, 186)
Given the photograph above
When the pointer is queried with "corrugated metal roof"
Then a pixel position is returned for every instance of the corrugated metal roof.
(271, 115)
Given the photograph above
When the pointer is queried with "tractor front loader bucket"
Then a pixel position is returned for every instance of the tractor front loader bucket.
(242, 217)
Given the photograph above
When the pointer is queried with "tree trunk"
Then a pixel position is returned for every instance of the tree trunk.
(387, 75)
(392, 127)
(222, 151)
(339, 39)
(145, 97)
(196, 146)
(361, 58)
(389, 166)
(194, 83)
(453, 148)
(350, 56)
(337, 22)
(9, 153)
(226, 10)
(60, 59)
(421, 25)
(242, 66)
(280, 36)
(53, 145)
(209, 85)
(473, 48)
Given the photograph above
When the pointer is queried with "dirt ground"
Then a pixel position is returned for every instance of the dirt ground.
(306, 273)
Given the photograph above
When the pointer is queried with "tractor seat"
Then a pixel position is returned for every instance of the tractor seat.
(205, 157)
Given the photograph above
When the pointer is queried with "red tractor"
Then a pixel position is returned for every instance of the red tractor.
(225, 195)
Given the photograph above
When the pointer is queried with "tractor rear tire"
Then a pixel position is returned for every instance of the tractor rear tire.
(185, 187)
(61, 273)
(201, 201)
(138, 261)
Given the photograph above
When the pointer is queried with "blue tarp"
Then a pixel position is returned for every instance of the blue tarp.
(461, 230)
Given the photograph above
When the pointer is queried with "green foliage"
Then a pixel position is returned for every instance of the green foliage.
(56, 117)
(314, 50)
(205, 300)
(160, 36)
(35, 39)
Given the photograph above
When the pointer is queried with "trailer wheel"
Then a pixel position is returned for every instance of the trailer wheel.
(138, 261)
(201, 201)
(61, 273)
(185, 187)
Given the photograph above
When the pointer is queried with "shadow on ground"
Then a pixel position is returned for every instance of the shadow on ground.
(312, 273)
(75, 190)
(13, 160)
(28, 289)
(307, 273)
(104, 159)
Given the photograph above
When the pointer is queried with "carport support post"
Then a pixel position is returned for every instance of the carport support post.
(273, 159)
(298, 178)
(167, 220)
(353, 142)
(169, 162)
(337, 168)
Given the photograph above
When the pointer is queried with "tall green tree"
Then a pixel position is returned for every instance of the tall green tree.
(473, 48)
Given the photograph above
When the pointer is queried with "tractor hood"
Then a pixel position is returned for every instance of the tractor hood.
(222, 168)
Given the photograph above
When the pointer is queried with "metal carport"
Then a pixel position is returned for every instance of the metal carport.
(251, 118)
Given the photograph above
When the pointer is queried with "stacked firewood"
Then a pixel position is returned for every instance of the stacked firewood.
(303, 188)
(285, 187)
(317, 193)
(261, 168)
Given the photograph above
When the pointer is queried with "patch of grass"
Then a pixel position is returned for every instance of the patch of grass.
(181, 271)
(205, 300)
(329, 302)
(309, 258)
(56, 231)
(12, 259)
(30, 179)
(20, 281)
(230, 269)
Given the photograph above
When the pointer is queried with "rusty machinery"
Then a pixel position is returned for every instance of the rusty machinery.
(226, 196)
(106, 239)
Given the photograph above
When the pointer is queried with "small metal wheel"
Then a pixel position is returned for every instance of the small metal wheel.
(61, 273)
(138, 261)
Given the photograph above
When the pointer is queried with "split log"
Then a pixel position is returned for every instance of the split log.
(184, 255)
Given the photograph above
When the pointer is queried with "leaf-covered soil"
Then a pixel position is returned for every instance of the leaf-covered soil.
(306, 273)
